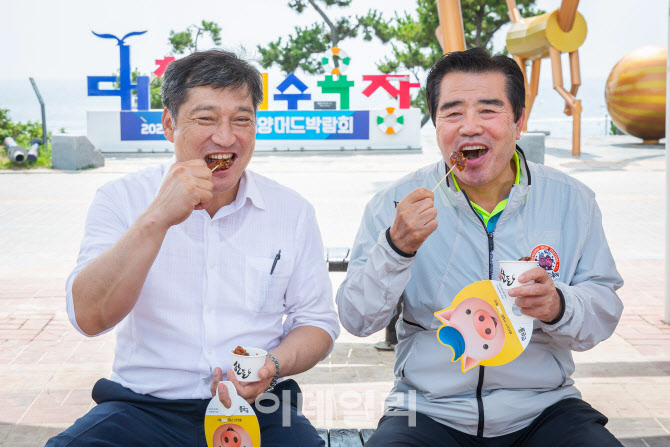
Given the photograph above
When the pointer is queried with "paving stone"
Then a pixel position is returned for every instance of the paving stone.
(633, 422)
(51, 397)
(12, 414)
(657, 441)
(53, 414)
(637, 433)
(5, 430)
(25, 436)
(79, 397)
(665, 422)
(635, 442)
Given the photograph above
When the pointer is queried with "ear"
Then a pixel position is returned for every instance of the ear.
(469, 363)
(444, 315)
(519, 123)
(168, 125)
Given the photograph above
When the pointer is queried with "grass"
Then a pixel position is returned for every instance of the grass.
(43, 160)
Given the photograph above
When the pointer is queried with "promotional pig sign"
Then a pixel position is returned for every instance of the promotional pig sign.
(236, 426)
(482, 327)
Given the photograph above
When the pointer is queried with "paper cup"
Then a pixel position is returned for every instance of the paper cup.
(511, 270)
(245, 367)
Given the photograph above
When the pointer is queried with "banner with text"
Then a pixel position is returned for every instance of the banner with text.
(313, 125)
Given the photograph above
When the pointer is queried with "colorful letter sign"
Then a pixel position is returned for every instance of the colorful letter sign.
(125, 81)
(382, 81)
(162, 65)
(323, 128)
(340, 87)
(292, 98)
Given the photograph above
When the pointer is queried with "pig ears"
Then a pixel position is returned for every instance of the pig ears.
(469, 363)
(444, 315)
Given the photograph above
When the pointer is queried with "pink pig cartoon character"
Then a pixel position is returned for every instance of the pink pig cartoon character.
(473, 330)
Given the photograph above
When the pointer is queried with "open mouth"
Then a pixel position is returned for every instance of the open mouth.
(473, 152)
(219, 162)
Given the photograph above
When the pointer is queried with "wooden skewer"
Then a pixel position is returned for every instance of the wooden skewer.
(452, 168)
(215, 168)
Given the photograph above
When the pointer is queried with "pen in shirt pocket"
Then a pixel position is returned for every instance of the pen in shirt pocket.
(274, 264)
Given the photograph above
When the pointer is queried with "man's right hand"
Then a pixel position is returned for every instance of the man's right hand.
(414, 221)
(187, 187)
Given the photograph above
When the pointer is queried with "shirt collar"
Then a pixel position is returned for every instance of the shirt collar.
(248, 187)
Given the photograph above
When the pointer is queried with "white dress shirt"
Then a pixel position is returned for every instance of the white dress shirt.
(210, 288)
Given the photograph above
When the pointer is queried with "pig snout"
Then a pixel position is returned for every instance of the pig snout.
(485, 325)
(231, 439)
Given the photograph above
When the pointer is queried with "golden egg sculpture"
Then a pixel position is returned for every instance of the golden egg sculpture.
(635, 93)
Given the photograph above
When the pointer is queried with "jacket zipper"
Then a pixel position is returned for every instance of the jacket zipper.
(480, 382)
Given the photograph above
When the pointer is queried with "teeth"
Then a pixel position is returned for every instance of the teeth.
(220, 156)
(472, 148)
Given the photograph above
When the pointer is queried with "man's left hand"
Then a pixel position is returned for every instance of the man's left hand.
(246, 390)
(539, 300)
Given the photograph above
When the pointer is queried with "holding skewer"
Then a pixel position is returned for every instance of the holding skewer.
(457, 160)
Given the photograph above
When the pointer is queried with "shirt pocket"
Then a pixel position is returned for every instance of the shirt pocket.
(265, 291)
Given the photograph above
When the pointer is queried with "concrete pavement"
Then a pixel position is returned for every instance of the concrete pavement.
(47, 369)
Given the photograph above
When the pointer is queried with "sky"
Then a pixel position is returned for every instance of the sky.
(52, 39)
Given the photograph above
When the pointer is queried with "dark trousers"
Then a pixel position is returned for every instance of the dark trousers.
(123, 418)
(569, 423)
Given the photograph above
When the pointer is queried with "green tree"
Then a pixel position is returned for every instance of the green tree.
(180, 43)
(184, 41)
(415, 47)
(302, 48)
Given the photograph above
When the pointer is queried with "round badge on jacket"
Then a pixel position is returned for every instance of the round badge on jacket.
(547, 258)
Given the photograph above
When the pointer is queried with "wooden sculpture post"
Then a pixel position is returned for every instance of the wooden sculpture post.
(450, 33)
(549, 35)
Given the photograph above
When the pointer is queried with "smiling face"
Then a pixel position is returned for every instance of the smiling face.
(475, 116)
(215, 125)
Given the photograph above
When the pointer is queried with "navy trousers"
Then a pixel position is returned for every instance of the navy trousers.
(123, 418)
(569, 423)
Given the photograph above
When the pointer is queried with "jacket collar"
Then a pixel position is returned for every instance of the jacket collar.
(462, 202)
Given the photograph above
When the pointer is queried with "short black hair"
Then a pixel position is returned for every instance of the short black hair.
(214, 68)
(477, 60)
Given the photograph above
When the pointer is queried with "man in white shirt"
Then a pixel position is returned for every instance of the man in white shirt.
(193, 258)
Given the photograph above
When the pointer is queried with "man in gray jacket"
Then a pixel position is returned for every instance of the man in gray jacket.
(500, 207)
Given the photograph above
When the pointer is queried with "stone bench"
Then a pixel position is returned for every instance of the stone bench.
(351, 437)
(345, 437)
(337, 258)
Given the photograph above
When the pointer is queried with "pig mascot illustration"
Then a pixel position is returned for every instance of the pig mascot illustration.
(231, 435)
(472, 330)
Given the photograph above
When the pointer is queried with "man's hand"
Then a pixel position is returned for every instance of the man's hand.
(248, 390)
(539, 300)
(187, 187)
(414, 220)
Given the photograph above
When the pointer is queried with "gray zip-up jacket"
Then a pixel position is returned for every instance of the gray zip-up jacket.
(549, 214)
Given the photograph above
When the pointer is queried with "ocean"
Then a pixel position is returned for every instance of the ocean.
(67, 102)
